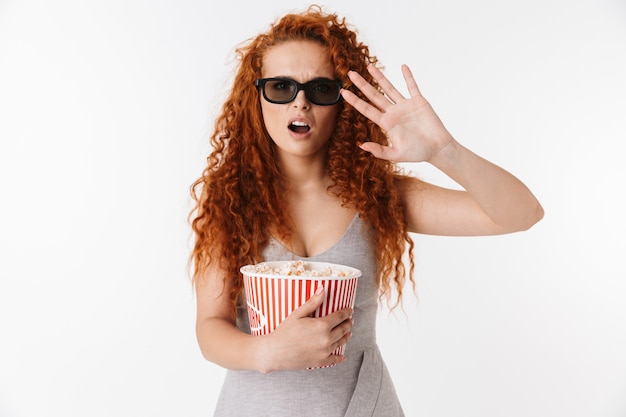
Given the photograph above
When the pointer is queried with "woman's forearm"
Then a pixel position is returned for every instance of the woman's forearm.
(225, 345)
(503, 197)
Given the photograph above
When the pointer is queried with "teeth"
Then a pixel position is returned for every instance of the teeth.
(297, 123)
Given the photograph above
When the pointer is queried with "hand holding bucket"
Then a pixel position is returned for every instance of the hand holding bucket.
(273, 291)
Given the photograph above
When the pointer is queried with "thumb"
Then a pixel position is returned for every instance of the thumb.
(311, 304)
(379, 151)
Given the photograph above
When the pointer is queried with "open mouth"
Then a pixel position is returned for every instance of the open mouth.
(299, 127)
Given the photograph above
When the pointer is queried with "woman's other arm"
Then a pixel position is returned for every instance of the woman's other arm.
(299, 342)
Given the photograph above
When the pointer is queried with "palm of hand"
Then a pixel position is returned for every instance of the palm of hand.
(414, 130)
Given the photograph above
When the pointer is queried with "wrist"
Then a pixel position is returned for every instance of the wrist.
(447, 156)
(262, 354)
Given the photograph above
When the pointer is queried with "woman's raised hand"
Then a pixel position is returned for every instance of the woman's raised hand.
(414, 130)
(301, 341)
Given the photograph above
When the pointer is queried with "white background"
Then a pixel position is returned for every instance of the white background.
(105, 111)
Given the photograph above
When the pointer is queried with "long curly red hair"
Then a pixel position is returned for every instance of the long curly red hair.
(241, 191)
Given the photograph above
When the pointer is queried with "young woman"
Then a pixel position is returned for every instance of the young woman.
(302, 167)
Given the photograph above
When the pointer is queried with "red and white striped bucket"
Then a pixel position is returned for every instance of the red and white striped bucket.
(272, 297)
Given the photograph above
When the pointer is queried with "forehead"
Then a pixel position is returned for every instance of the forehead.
(300, 60)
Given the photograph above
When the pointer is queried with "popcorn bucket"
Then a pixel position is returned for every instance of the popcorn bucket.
(275, 289)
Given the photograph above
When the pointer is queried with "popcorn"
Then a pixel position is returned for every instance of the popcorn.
(295, 268)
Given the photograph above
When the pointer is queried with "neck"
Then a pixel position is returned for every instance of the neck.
(304, 173)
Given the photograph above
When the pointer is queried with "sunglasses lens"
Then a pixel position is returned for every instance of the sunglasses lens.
(323, 92)
(281, 91)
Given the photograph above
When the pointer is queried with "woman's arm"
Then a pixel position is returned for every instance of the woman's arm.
(299, 342)
(493, 201)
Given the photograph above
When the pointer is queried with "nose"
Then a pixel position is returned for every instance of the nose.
(301, 101)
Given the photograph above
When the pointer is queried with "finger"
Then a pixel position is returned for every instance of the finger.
(331, 360)
(386, 85)
(341, 341)
(340, 334)
(361, 106)
(387, 153)
(375, 96)
(411, 84)
(338, 318)
(311, 304)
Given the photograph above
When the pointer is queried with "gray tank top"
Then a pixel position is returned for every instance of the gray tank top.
(359, 387)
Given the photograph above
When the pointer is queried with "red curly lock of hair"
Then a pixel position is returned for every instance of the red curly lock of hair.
(241, 191)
